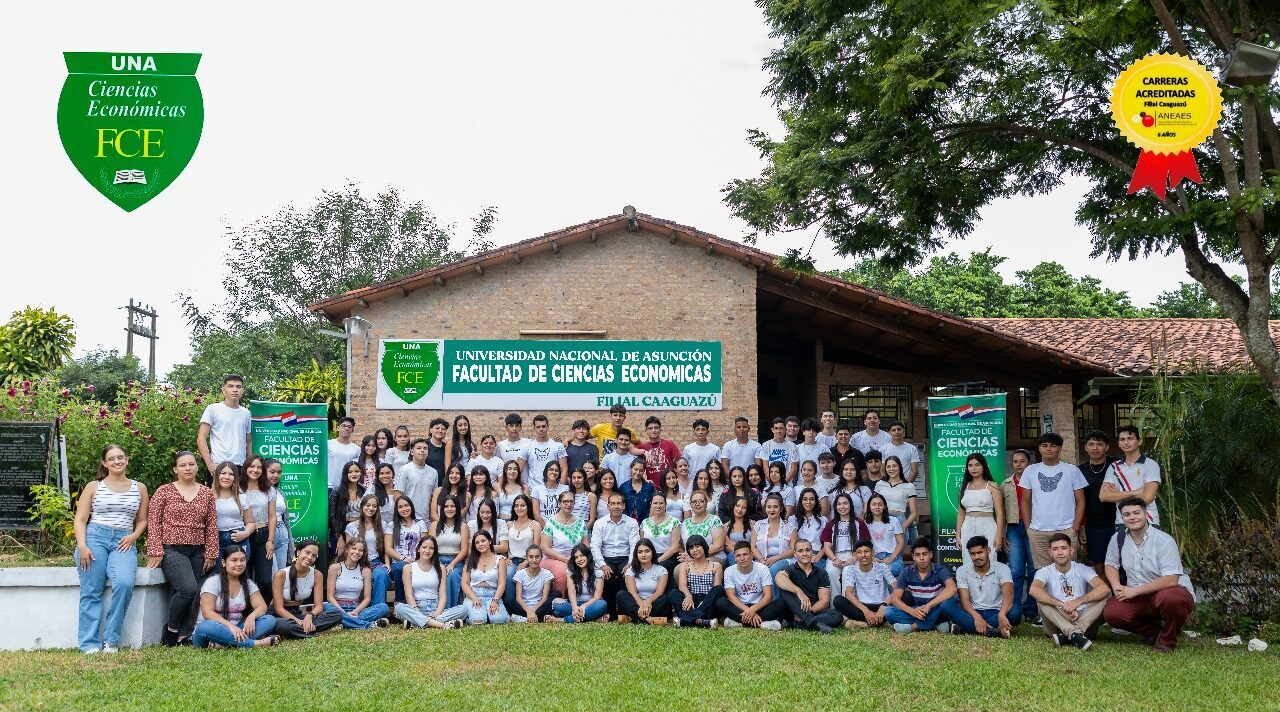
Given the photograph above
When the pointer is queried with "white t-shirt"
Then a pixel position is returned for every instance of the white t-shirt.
(740, 454)
(884, 537)
(810, 453)
(540, 454)
(518, 450)
(619, 464)
(531, 586)
(866, 442)
(1053, 494)
(235, 606)
(493, 465)
(874, 586)
(1069, 586)
(1132, 478)
(699, 455)
(228, 432)
(906, 452)
(418, 484)
(828, 440)
(397, 457)
(896, 496)
(546, 497)
(749, 586)
(410, 535)
(784, 452)
(340, 455)
(647, 581)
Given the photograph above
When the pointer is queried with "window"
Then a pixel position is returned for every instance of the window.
(1030, 401)
(1088, 417)
(892, 402)
(1129, 414)
(978, 388)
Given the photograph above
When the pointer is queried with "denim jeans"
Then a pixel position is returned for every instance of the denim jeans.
(280, 559)
(703, 606)
(893, 562)
(1020, 564)
(380, 583)
(420, 614)
(946, 611)
(991, 615)
(477, 615)
(364, 619)
(225, 540)
(562, 609)
(214, 632)
(119, 566)
(509, 594)
(774, 568)
(183, 567)
(453, 583)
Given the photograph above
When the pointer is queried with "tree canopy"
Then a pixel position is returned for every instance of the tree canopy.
(102, 372)
(903, 119)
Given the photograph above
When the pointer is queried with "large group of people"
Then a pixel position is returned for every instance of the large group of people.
(815, 528)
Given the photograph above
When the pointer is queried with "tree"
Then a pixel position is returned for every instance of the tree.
(1047, 290)
(34, 343)
(276, 266)
(904, 119)
(101, 372)
(1191, 301)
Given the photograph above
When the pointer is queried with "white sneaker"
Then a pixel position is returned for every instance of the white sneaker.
(731, 623)
(713, 623)
(765, 625)
(93, 651)
(110, 649)
(901, 627)
(519, 619)
(944, 627)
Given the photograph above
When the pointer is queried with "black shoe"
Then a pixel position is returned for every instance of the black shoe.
(169, 638)
(824, 628)
(1058, 639)
(1038, 622)
(1081, 641)
(382, 623)
(702, 623)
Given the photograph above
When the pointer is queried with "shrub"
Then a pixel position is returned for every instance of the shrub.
(52, 513)
(1239, 573)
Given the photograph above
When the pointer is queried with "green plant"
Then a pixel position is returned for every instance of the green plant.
(34, 342)
(1240, 572)
(1211, 617)
(317, 384)
(1269, 631)
(51, 511)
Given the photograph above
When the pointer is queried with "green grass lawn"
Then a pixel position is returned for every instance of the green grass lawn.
(597, 666)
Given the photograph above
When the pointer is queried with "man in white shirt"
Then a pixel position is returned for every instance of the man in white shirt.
(779, 449)
(1153, 595)
(225, 427)
(1069, 595)
(342, 450)
(543, 450)
(515, 447)
(613, 538)
(828, 435)
(873, 438)
(809, 449)
(1052, 499)
(619, 461)
(865, 588)
(742, 451)
(700, 452)
(907, 453)
(1135, 476)
(748, 594)
(986, 594)
(417, 480)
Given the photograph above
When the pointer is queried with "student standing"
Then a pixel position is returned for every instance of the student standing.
(183, 523)
(454, 485)
(809, 449)
(700, 452)
(548, 490)
(453, 537)
(579, 449)
(844, 451)
(637, 491)
(748, 594)
(298, 595)
(851, 485)
(1053, 498)
(981, 510)
(1135, 476)
(900, 495)
(809, 523)
(776, 483)
(510, 488)
(341, 451)
(1015, 540)
(780, 450)
(479, 488)
(987, 605)
(606, 485)
(738, 489)
(488, 457)
(350, 582)
(885, 533)
(543, 451)
(344, 506)
(924, 594)
(369, 461)
(370, 530)
(255, 493)
(805, 588)
(232, 611)
(385, 440)
(671, 493)
(872, 438)
(606, 433)
(584, 500)
(282, 551)
(613, 538)
(483, 581)
(224, 427)
(460, 448)
(866, 586)
(235, 520)
(110, 516)
(775, 537)
(699, 584)
(403, 535)
(1099, 516)
(741, 451)
(585, 602)
(399, 454)
(623, 454)
(644, 600)
(1070, 596)
(514, 447)
(659, 452)
(416, 479)
(906, 452)
(437, 448)
(425, 592)
(828, 435)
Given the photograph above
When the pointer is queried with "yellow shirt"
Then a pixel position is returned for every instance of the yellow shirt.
(606, 437)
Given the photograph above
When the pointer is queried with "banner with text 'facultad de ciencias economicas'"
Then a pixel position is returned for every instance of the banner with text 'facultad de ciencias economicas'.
(297, 434)
(959, 426)
(453, 374)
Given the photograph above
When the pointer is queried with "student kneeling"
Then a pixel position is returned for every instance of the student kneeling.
(748, 594)
(986, 594)
(1153, 596)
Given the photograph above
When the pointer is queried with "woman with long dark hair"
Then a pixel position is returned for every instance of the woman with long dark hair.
(460, 447)
(509, 487)
(255, 493)
(369, 462)
(235, 519)
(699, 583)
(182, 521)
(981, 510)
(110, 516)
(900, 495)
(775, 537)
(886, 533)
(644, 599)
(233, 613)
(453, 538)
(345, 507)
(424, 589)
(454, 484)
(483, 581)
(479, 488)
(349, 590)
(606, 485)
(384, 488)
(586, 600)
(738, 488)
(839, 537)
(385, 440)
(402, 540)
(663, 531)
(298, 595)
(368, 529)
(282, 548)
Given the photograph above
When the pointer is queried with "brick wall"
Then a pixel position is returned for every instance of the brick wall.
(636, 285)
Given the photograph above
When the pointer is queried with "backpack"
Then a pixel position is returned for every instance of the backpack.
(1119, 539)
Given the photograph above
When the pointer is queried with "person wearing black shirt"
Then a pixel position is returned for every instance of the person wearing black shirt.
(806, 591)
(1099, 516)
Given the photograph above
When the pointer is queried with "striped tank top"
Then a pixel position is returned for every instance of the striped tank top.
(116, 510)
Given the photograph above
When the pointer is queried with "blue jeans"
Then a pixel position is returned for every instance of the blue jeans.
(509, 595)
(991, 615)
(381, 582)
(893, 562)
(477, 615)
(1020, 564)
(119, 566)
(224, 541)
(774, 568)
(397, 579)
(214, 632)
(419, 615)
(280, 558)
(453, 583)
(909, 534)
(362, 620)
(944, 612)
(593, 611)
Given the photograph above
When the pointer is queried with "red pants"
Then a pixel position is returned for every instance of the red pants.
(1160, 615)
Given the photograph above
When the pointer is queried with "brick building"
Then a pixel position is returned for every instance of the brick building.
(792, 343)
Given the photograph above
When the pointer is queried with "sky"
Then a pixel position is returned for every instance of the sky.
(556, 113)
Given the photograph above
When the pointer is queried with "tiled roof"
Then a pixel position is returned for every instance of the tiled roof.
(1125, 345)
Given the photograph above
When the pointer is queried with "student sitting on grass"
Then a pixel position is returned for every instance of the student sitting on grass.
(232, 610)
(425, 592)
(350, 582)
(644, 599)
(748, 594)
(532, 585)
(1071, 596)
(924, 595)
(299, 596)
(987, 605)
(866, 586)
(588, 590)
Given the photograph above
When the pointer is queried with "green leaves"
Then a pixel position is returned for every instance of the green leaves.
(327, 384)
(33, 343)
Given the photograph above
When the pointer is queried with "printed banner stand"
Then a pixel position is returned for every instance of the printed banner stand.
(297, 434)
(959, 426)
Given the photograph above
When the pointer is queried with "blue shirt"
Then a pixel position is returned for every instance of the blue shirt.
(637, 502)
(917, 591)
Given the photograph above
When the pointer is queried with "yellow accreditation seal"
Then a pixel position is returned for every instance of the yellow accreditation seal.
(1166, 105)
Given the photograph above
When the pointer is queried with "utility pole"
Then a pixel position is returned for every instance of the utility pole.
(137, 323)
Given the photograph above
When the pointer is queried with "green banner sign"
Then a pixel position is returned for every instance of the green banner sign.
(549, 375)
(297, 434)
(130, 122)
(958, 427)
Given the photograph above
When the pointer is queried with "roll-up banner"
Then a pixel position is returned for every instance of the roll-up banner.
(959, 426)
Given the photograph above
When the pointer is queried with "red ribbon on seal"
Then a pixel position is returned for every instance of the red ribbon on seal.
(1160, 171)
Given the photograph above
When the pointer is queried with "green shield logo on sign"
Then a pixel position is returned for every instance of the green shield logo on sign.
(130, 122)
(410, 368)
